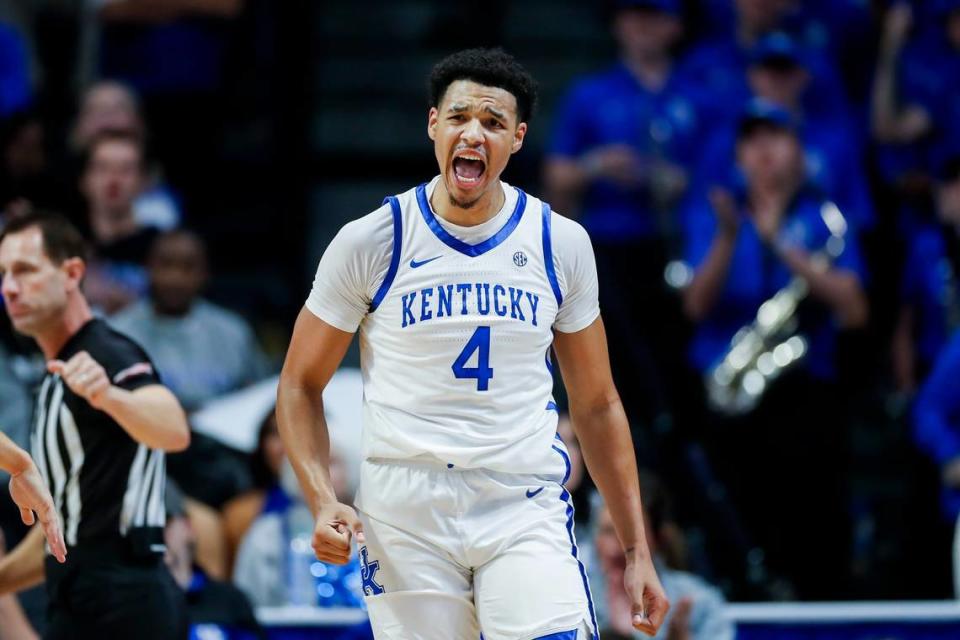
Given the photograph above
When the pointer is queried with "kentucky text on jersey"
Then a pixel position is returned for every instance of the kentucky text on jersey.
(465, 298)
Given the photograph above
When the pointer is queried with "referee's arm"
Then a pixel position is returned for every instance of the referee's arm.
(151, 414)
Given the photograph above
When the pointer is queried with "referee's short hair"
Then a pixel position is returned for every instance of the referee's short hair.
(61, 239)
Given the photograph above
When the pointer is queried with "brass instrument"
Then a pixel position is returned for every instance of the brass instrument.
(763, 350)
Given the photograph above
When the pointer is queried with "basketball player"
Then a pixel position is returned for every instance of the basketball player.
(459, 288)
(102, 425)
(31, 494)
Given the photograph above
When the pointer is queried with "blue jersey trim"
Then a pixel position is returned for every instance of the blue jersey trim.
(563, 635)
(395, 257)
(566, 460)
(548, 255)
(472, 250)
(565, 497)
(552, 406)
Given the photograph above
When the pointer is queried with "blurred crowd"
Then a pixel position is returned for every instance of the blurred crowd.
(772, 188)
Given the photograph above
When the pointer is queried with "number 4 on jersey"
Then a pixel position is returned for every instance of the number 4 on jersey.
(479, 342)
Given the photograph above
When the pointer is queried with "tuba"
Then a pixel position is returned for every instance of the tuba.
(763, 350)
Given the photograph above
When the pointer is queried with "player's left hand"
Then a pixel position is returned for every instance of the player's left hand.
(30, 493)
(650, 603)
(84, 376)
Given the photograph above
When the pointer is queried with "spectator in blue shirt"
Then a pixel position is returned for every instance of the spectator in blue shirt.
(622, 141)
(743, 249)
(623, 136)
(916, 96)
(937, 422)
(780, 73)
(719, 65)
(930, 293)
(15, 90)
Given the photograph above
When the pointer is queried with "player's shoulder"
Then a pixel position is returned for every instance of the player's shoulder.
(566, 234)
(361, 230)
(369, 236)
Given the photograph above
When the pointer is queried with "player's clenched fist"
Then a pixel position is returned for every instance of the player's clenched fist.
(84, 376)
(336, 525)
(650, 603)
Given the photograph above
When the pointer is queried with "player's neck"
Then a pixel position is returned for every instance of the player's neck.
(74, 317)
(476, 213)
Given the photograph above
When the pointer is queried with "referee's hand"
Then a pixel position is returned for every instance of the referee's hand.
(84, 375)
(30, 493)
(336, 525)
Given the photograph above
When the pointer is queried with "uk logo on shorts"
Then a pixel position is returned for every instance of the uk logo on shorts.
(368, 573)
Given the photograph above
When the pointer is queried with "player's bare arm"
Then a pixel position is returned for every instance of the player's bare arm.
(22, 568)
(152, 415)
(604, 434)
(316, 350)
(30, 493)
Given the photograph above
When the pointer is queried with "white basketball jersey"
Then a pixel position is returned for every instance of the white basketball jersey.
(455, 343)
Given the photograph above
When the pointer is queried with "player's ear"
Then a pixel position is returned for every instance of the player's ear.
(74, 269)
(518, 137)
(432, 119)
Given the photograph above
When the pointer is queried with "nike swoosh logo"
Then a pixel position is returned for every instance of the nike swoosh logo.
(530, 493)
(414, 264)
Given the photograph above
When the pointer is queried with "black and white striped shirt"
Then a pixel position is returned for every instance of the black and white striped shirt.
(104, 484)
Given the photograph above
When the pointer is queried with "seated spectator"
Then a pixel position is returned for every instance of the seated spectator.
(26, 178)
(937, 422)
(780, 73)
(743, 250)
(201, 350)
(696, 611)
(215, 609)
(621, 142)
(265, 463)
(276, 564)
(930, 290)
(719, 65)
(185, 97)
(111, 180)
(110, 106)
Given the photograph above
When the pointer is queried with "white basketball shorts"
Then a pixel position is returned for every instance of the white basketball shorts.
(452, 554)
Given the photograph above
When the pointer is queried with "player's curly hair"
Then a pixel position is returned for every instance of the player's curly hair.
(490, 67)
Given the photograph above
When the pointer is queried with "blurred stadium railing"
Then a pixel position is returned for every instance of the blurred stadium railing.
(765, 621)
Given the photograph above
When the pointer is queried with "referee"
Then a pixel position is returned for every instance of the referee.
(101, 426)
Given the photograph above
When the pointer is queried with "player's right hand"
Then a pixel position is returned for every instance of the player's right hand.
(30, 493)
(336, 525)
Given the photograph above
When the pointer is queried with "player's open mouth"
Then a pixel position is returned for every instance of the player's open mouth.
(468, 169)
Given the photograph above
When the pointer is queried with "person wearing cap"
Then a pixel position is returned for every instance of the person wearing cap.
(780, 72)
(719, 64)
(617, 160)
(743, 248)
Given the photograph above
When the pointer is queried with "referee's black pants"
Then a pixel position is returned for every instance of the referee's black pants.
(106, 595)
